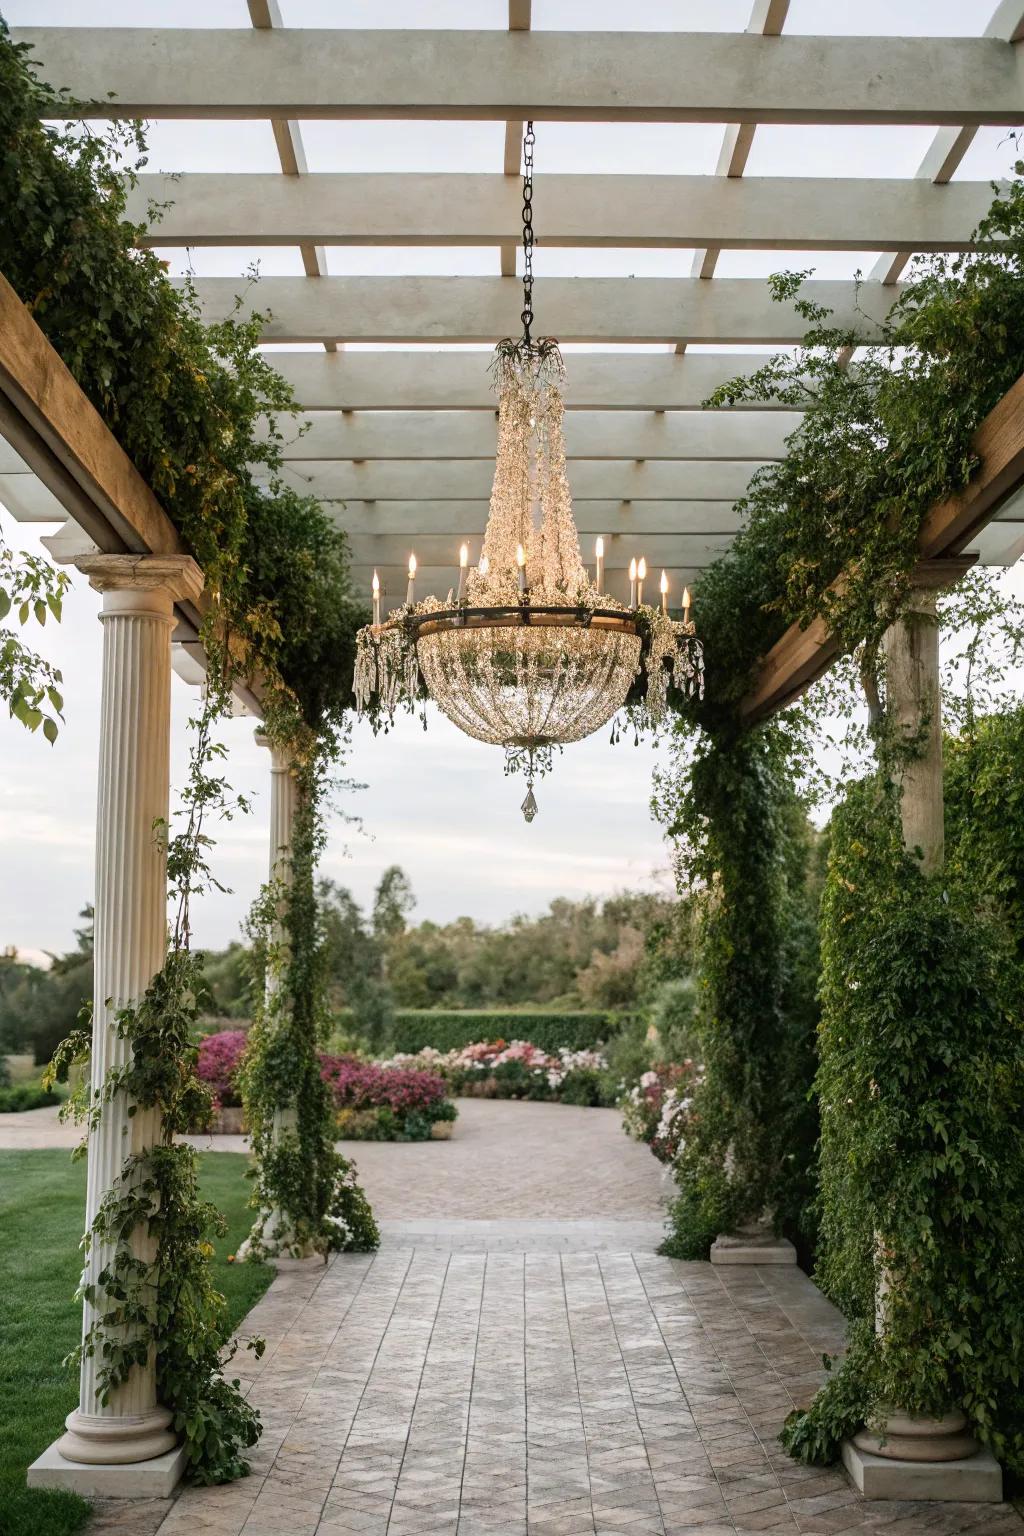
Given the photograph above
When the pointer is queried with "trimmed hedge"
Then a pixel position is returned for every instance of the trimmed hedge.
(26, 1096)
(447, 1031)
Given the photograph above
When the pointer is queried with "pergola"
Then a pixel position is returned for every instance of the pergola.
(402, 438)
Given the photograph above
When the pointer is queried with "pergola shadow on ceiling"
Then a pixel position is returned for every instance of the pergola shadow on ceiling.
(401, 438)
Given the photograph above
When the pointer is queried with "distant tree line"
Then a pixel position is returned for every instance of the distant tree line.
(629, 951)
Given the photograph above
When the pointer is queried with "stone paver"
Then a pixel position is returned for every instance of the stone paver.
(421, 1392)
(506, 1159)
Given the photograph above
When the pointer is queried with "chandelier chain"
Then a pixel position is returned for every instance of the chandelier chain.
(529, 139)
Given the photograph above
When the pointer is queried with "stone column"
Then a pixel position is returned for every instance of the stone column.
(914, 712)
(139, 592)
(919, 1457)
(272, 1233)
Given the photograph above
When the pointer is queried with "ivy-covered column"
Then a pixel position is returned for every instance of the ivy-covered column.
(907, 1452)
(273, 1233)
(914, 719)
(126, 1424)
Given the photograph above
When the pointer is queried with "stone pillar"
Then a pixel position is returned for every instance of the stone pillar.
(139, 592)
(914, 713)
(919, 1457)
(272, 1232)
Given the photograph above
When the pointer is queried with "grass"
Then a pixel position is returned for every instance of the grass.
(42, 1201)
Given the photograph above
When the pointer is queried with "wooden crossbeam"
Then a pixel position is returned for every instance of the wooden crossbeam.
(482, 309)
(510, 76)
(460, 381)
(762, 213)
(611, 435)
(800, 656)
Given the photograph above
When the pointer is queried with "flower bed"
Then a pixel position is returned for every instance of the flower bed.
(517, 1069)
(220, 1056)
(658, 1109)
(380, 1102)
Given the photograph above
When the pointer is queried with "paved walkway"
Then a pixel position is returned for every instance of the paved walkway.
(517, 1359)
(506, 1159)
(422, 1393)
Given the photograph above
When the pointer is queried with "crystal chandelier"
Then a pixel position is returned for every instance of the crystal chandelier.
(529, 653)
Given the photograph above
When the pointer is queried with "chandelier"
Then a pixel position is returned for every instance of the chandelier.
(529, 653)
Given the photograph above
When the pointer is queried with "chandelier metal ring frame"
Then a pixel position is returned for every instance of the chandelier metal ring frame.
(529, 653)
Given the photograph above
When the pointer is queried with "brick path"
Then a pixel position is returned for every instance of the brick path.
(423, 1393)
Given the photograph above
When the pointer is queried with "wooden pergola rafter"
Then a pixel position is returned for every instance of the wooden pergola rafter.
(402, 436)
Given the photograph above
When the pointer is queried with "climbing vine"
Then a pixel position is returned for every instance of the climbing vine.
(921, 1056)
(305, 1191)
(745, 852)
(202, 414)
(921, 1086)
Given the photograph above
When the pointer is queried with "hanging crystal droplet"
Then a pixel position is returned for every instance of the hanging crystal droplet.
(529, 805)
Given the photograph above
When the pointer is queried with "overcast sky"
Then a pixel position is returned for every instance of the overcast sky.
(436, 803)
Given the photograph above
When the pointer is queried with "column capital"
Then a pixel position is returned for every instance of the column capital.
(280, 762)
(178, 575)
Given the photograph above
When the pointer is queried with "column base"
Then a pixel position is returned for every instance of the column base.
(100, 1440)
(153, 1479)
(976, 1479)
(752, 1248)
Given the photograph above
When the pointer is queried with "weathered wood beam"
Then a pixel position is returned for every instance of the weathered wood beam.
(764, 212)
(800, 656)
(482, 309)
(574, 76)
(460, 381)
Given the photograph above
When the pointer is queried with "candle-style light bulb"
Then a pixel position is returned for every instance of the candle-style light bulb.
(463, 569)
(664, 593)
(375, 587)
(410, 595)
(521, 563)
(632, 583)
(641, 577)
(599, 564)
(686, 605)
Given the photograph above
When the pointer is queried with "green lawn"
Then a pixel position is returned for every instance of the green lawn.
(42, 1203)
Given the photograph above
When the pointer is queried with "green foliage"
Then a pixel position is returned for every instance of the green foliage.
(878, 444)
(921, 1079)
(550, 1031)
(298, 1172)
(25, 1096)
(41, 1200)
(189, 403)
(38, 1008)
(30, 590)
(743, 838)
(984, 795)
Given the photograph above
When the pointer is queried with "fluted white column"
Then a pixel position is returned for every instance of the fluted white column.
(130, 937)
(272, 1233)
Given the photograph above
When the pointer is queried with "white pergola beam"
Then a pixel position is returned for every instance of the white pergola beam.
(767, 212)
(510, 76)
(589, 309)
(588, 435)
(471, 479)
(441, 551)
(454, 381)
(410, 520)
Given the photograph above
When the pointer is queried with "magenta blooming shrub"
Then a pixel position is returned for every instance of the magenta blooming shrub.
(357, 1084)
(219, 1058)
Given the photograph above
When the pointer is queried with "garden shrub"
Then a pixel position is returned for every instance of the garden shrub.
(383, 1103)
(415, 1028)
(220, 1057)
(921, 1085)
(26, 1096)
(518, 1069)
